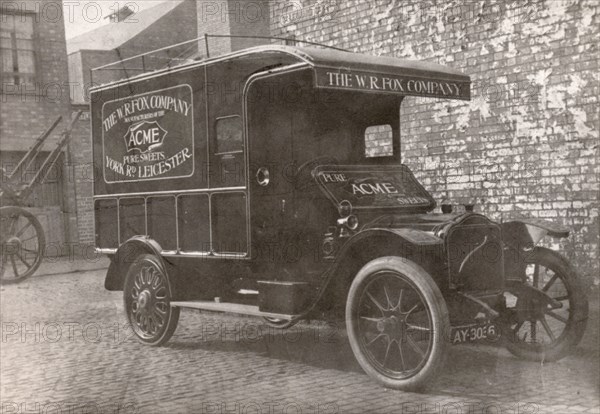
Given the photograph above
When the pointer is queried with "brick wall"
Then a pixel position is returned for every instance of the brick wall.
(80, 63)
(81, 172)
(29, 109)
(527, 143)
(251, 19)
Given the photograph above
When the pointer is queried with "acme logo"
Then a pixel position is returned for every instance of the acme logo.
(369, 187)
(144, 136)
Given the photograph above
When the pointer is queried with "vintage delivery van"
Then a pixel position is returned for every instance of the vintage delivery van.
(245, 183)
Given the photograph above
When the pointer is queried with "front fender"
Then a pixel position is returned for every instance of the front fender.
(404, 242)
(421, 247)
(125, 256)
(520, 237)
(527, 232)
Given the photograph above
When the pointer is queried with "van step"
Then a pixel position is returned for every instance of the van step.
(237, 308)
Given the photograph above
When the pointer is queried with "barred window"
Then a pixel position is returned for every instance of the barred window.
(17, 49)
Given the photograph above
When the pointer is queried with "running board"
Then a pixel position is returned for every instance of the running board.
(230, 308)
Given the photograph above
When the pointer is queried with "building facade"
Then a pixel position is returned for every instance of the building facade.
(527, 142)
(34, 93)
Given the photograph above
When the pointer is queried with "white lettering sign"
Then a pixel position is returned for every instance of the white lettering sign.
(390, 83)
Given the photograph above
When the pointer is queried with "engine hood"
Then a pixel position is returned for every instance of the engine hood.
(382, 188)
(425, 222)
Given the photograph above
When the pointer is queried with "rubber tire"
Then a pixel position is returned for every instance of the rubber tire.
(439, 317)
(577, 319)
(10, 211)
(172, 319)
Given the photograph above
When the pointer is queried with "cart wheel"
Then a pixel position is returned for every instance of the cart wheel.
(396, 318)
(280, 323)
(537, 332)
(147, 297)
(22, 245)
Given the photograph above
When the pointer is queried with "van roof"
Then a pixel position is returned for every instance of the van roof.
(350, 60)
(337, 69)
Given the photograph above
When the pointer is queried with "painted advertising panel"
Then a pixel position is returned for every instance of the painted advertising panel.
(149, 136)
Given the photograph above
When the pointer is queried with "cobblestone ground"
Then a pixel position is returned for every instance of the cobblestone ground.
(66, 348)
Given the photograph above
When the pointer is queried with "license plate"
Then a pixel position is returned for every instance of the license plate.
(470, 333)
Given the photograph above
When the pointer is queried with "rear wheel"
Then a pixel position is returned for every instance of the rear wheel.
(535, 330)
(396, 318)
(147, 298)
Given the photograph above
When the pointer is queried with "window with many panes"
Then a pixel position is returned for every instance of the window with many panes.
(17, 49)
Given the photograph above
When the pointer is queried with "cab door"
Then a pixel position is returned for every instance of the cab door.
(271, 177)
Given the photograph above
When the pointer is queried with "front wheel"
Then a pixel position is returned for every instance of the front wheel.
(396, 318)
(147, 298)
(535, 330)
